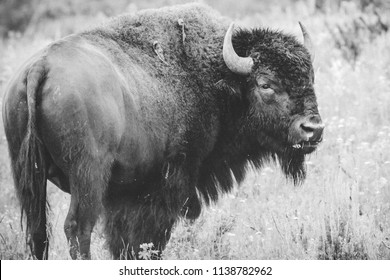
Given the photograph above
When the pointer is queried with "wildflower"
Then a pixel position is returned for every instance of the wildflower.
(146, 252)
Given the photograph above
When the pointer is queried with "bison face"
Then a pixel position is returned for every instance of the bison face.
(283, 114)
(286, 116)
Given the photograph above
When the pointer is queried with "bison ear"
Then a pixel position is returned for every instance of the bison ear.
(307, 41)
(236, 64)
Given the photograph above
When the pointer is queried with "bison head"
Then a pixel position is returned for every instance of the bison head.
(278, 83)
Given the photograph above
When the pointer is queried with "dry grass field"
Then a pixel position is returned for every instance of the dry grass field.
(341, 211)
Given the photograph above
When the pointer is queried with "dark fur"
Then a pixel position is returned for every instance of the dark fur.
(214, 130)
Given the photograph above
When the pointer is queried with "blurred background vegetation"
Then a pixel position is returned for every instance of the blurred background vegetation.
(342, 211)
(362, 22)
(352, 23)
(27, 15)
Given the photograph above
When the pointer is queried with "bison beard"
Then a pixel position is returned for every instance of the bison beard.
(292, 163)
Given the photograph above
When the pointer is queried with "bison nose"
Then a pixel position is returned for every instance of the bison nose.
(311, 129)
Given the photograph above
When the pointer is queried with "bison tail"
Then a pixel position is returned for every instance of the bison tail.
(30, 168)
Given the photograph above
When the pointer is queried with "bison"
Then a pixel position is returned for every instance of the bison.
(145, 119)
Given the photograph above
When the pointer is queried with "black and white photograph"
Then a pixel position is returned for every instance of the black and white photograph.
(206, 130)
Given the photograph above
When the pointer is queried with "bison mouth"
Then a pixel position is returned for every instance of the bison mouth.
(292, 159)
(306, 147)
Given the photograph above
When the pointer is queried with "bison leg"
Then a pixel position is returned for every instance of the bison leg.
(70, 227)
(149, 218)
(87, 184)
(131, 223)
(87, 217)
(78, 227)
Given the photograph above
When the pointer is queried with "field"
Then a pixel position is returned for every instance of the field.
(341, 211)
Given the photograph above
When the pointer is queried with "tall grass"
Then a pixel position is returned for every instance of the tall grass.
(342, 211)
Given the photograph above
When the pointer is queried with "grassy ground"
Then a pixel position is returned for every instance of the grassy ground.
(342, 211)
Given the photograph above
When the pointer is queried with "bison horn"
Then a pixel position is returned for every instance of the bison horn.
(237, 64)
(307, 41)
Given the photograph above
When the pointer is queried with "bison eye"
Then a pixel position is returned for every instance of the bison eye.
(265, 86)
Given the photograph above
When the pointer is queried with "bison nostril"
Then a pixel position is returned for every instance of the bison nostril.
(307, 128)
(312, 131)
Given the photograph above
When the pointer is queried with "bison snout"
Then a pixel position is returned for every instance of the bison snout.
(311, 129)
